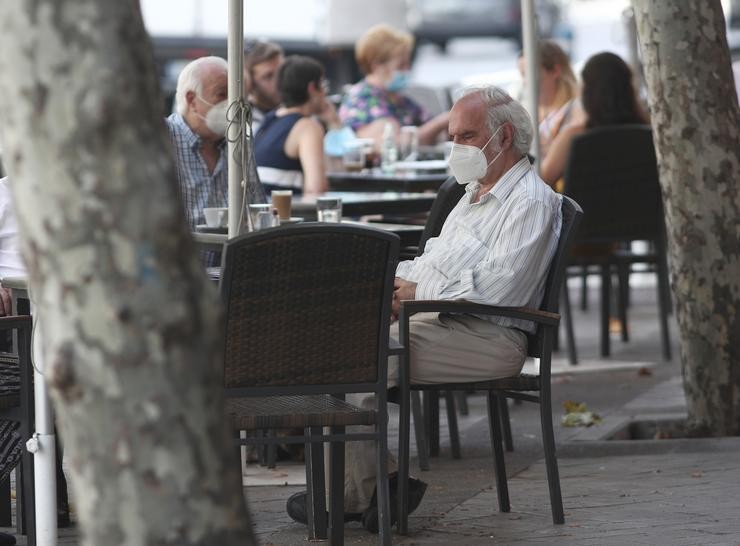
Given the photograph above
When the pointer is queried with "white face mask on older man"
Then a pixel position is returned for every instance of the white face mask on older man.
(468, 163)
(215, 118)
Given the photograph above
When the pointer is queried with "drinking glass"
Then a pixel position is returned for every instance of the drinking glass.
(353, 159)
(408, 143)
(329, 209)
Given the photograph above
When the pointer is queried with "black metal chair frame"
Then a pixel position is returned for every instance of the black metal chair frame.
(332, 394)
(17, 405)
(612, 172)
(518, 387)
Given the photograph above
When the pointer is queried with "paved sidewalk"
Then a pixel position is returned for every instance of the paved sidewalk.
(656, 492)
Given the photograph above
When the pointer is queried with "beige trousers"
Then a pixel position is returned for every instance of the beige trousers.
(444, 348)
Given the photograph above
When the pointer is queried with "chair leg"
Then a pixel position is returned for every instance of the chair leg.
(623, 298)
(606, 288)
(336, 491)
(315, 487)
(271, 451)
(664, 303)
(503, 407)
(461, 402)
(452, 425)
(572, 352)
(431, 421)
(422, 447)
(383, 495)
(551, 462)
(584, 288)
(5, 510)
(494, 424)
(404, 430)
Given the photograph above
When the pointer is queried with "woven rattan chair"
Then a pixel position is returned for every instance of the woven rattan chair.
(307, 318)
(613, 173)
(16, 422)
(540, 346)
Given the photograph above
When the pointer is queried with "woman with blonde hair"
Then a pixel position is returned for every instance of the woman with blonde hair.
(383, 54)
(558, 97)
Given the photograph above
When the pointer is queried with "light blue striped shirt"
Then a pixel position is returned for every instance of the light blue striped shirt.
(199, 188)
(496, 251)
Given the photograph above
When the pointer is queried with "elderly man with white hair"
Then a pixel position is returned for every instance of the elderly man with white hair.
(495, 248)
(197, 129)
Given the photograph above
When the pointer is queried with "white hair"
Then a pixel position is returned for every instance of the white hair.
(501, 108)
(191, 79)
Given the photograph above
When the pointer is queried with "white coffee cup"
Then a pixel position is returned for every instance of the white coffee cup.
(216, 216)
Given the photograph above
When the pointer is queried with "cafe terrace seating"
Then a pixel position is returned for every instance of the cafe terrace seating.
(308, 309)
(540, 345)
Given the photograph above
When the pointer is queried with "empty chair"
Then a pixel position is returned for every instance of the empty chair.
(307, 319)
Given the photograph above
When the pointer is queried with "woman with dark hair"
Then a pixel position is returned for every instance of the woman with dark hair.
(289, 146)
(608, 98)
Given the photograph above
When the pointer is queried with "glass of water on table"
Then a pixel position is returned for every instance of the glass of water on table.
(329, 209)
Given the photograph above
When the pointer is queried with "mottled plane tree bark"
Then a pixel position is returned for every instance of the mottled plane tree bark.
(131, 325)
(696, 128)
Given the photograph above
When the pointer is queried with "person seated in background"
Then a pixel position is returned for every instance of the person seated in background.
(608, 97)
(261, 64)
(384, 56)
(197, 129)
(558, 94)
(289, 147)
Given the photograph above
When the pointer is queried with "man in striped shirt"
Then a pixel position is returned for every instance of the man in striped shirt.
(197, 130)
(494, 248)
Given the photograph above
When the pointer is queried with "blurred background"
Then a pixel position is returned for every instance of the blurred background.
(458, 42)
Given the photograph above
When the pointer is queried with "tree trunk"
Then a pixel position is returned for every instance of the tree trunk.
(696, 125)
(131, 325)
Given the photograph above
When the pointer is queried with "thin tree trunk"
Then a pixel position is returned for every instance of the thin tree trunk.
(696, 127)
(131, 325)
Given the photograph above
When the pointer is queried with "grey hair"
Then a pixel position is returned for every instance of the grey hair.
(191, 79)
(501, 108)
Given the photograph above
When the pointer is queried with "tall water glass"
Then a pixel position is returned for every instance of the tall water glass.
(329, 209)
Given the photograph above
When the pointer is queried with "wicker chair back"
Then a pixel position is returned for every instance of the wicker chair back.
(307, 305)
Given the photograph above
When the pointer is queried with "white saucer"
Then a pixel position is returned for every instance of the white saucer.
(293, 220)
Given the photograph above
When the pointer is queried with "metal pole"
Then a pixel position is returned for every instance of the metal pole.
(43, 447)
(628, 16)
(235, 58)
(531, 56)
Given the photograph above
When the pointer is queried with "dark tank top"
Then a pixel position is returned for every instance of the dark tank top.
(269, 143)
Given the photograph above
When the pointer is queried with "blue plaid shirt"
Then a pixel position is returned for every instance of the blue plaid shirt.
(199, 187)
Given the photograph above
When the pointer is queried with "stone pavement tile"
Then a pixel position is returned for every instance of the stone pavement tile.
(679, 498)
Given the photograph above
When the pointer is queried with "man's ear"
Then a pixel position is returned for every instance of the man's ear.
(507, 136)
(190, 97)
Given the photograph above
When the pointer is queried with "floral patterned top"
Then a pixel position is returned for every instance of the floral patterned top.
(364, 103)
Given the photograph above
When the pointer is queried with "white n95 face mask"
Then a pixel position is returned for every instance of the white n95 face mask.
(468, 163)
(215, 118)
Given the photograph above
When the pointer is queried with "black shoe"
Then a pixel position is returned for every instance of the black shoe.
(296, 508)
(417, 488)
(6, 539)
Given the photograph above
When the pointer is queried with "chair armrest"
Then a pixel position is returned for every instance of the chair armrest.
(12, 322)
(411, 307)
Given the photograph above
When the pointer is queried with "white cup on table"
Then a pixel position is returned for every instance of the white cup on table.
(216, 216)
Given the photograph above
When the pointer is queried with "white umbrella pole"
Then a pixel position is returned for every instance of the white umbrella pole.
(43, 447)
(235, 58)
(531, 56)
